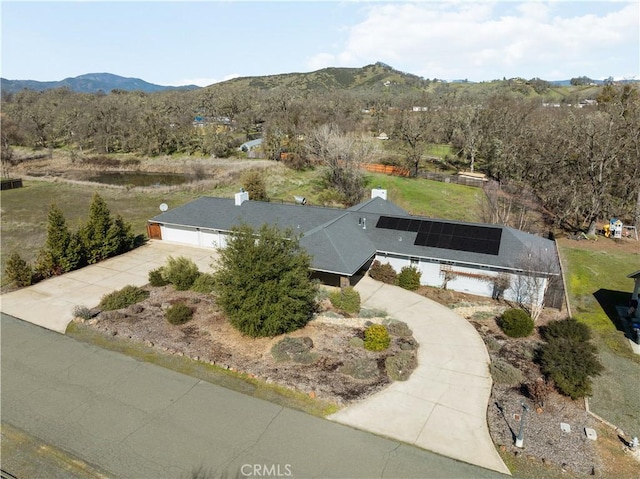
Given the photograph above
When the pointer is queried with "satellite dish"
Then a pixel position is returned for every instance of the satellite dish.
(164, 207)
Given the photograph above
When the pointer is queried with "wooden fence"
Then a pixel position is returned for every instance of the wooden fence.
(460, 180)
(386, 169)
(11, 184)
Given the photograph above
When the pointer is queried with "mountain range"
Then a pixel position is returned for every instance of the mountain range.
(374, 77)
(90, 83)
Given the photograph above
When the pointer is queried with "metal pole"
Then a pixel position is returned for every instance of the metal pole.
(520, 438)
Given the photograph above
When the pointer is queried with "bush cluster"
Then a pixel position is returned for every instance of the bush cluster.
(178, 313)
(361, 368)
(568, 357)
(156, 277)
(400, 366)
(204, 283)
(516, 323)
(122, 298)
(409, 278)
(383, 272)
(376, 338)
(504, 373)
(181, 272)
(346, 300)
(297, 350)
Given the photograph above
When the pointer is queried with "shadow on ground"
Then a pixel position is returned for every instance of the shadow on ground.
(615, 305)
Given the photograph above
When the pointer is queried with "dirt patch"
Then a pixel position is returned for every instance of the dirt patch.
(602, 243)
(335, 346)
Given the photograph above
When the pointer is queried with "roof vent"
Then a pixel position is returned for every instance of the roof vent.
(241, 197)
(379, 193)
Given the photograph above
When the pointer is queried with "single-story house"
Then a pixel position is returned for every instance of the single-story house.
(481, 259)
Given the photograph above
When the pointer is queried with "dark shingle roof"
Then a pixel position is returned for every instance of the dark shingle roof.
(342, 241)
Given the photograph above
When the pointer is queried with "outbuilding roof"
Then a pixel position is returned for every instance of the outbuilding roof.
(341, 241)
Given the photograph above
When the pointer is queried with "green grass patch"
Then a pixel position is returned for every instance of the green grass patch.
(236, 381)
(435, 199)
(596, 282)
(24, 210)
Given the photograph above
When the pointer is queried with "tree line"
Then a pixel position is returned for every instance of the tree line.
(581, 164)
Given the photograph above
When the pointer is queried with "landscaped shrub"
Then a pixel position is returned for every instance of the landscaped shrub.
(504, 373)
(18, 271)
(400, 366)
(569, 329)
(156, 277)
(372, 313)
(383, 272)
(204, 283)
(516, 323)
(346, 300)
(409, 278)
(178, 313)
(297, 350)
(264, 287)
(376, 338)
(361, 368)
(122, 298)
(568, 358)
(181, 272)
(82, 312)
(397, 328)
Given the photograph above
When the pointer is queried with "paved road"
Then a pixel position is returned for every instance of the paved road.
(138, 420)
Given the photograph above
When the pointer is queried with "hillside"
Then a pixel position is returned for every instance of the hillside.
(90, 83)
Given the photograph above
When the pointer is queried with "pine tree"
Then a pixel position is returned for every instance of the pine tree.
(18, 271)
(95, 232)
(52, 259)
(263, 285)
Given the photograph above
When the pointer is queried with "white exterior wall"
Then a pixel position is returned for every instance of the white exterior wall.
(182, 235)
(194, 236)
(432, 276)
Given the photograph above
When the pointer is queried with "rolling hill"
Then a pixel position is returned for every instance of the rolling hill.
(90, 83)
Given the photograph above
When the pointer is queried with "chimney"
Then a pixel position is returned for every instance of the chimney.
(379, 193)
(242, 197)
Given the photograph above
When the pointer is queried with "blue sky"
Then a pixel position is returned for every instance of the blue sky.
(203, 42)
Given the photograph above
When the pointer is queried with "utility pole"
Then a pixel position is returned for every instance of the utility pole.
(520, 438)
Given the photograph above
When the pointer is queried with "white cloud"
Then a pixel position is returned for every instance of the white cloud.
(203, 81)
(321, 60)
(483, 41)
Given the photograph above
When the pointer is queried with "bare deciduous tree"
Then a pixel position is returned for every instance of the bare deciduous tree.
(531, 284)
(342, 155)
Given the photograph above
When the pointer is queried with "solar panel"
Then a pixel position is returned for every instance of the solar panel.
(442, 234)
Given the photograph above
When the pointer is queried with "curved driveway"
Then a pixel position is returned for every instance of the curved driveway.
(443, 405)
(441, 408)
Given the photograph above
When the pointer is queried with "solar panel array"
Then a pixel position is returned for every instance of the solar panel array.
(439, 234)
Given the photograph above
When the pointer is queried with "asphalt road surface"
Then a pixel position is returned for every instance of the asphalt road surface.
(132, 419)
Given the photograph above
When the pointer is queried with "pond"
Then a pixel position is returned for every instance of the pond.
(139, 178)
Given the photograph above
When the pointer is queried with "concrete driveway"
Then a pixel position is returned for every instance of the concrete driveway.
(441, 408)
(50, 303)
(443, 405)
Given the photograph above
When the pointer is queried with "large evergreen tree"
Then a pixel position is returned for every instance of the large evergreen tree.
(263, 282)
(62, 250)
(95, 233)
